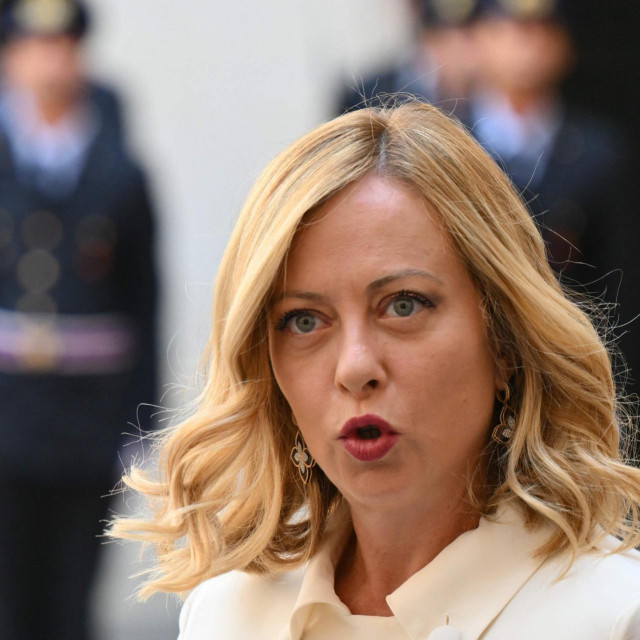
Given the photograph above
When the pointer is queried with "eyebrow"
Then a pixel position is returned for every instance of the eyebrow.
(377, 284)
(405, 273)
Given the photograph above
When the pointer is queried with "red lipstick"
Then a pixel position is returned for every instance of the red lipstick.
(368, 438)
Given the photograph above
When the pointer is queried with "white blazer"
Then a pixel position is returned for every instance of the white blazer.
(485, 585)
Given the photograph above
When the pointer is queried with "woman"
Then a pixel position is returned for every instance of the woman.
(407, 430)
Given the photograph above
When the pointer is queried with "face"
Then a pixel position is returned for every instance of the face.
(49, 66)
(451, 50)
(378, 343)
(522, 55)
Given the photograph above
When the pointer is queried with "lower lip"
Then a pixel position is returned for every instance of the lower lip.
(370, 450)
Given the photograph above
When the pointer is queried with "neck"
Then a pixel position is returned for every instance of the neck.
(388, 548)
(52, 111)
(522, 101)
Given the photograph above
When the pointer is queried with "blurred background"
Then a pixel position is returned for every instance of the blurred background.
(192, 100)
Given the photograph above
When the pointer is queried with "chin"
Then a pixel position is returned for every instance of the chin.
(379, 488)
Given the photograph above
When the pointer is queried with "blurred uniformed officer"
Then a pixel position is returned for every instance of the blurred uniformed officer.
(571, 166)
(77, 297)
(440, 67)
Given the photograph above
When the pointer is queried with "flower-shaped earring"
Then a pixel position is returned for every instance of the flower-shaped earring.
(302, 458)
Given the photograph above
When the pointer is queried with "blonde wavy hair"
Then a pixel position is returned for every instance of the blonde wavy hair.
(227, 496)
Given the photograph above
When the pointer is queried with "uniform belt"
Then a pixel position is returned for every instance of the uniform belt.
(65, 344)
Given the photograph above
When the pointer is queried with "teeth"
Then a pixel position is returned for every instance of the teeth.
(368, 433)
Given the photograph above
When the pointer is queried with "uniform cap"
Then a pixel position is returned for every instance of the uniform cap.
(43, 17)
(447, 13)
(547, 10)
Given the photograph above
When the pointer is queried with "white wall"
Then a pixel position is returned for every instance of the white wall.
(216, 89)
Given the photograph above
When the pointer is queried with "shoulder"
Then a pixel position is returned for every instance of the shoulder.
(599, 597)
(111, 163)
(590, 139)
(604, 574)
(238, 605)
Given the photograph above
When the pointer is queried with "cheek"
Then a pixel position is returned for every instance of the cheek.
(301, 377)
(449, 380)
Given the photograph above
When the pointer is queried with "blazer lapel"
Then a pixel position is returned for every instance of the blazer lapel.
(469, 583)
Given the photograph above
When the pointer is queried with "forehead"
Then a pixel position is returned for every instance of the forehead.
(376, 226)
(40, 42)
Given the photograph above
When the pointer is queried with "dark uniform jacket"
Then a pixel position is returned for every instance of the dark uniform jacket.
(583, 203)
(77, 302)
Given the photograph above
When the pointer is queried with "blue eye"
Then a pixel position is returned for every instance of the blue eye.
(406, 304)
(403, 307)
(298, 321)
(303, 323)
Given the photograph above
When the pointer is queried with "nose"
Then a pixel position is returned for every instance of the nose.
(360, 367)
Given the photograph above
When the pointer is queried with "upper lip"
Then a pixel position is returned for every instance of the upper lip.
(351, 426)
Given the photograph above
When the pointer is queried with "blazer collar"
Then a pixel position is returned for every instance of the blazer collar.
(466, 585)
(471, 580)
(318, 582)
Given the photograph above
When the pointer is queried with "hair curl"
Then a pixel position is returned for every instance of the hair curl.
(227, 496)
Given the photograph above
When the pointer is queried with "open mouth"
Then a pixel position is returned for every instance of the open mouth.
(370, 432)
(367, 427)
(368, 438)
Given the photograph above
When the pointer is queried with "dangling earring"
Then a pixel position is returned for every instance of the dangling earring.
(503, 431)
(301, 457)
